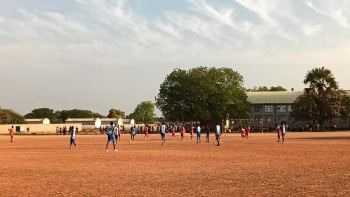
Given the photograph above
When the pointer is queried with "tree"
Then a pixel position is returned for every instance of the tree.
(116, 113)
(322, 101)
(266, 89)
(77, 113)
(42, 113)
(202, 93)
(277, 88)
(144, 113)
(320, 79)
(8, 116)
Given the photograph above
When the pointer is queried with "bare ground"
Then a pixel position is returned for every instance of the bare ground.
(308, 164)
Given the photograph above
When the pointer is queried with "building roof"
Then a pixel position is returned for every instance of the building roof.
(34, 120)
(273, 97)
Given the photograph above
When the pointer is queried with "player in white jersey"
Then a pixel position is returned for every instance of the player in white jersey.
(198, 129)
(217, 133)
(162, 133)
(116, 134)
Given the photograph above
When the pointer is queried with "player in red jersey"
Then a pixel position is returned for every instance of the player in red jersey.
(146, 133)
(183, 131)
(192, 130)
(247, 131)
(12, 132)
(278, 128)
(173, 133)
(119, 131)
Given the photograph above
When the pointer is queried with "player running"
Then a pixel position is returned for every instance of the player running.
(162, 133)
(247, 131)
(110, 133)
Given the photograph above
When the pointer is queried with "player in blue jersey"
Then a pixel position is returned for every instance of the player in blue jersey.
(110, 135)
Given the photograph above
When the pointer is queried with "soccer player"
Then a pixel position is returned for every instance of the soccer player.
(119, 132)
(192, 131)
(247, 131)
(162, 133)
(116, 134)
(283, 132)
(12, 132)
(278, 128)
(217, 134)
(146, 132)
(208, 133)
(72, 137)
(109, 131)
(132, 134)
(198, 134)
(173, 133)
(183, 131)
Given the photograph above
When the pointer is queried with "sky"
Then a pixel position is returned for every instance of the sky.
(103, 54)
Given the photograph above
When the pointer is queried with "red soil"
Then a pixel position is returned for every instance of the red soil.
(308, 164)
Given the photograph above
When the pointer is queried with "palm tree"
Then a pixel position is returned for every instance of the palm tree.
(320, 80)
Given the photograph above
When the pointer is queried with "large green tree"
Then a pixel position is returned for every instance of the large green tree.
(322, 101)
(42, 113)
(144, 113)
(202, 93)
(116, 113)
(8, 116)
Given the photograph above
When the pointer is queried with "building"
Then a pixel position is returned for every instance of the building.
(273, 107)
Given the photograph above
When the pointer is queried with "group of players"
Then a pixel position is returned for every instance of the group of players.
(113, 133)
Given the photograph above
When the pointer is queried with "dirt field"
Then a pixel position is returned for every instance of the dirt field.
(308, 164)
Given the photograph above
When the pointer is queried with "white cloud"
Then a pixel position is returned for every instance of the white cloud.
(335, 13)
(2, 19)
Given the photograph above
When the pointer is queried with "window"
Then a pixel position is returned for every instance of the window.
(281, 118)
(257, 108)
(268, 119)
(257, 118)
(268, 108)
(290, 108)
(281, 108)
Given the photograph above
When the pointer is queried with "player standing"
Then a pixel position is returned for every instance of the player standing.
(146, 132)
(173, 133)
(183, 131)
(12, 133)
(109, 131)
(72, 137)
(132, 133)
(119, 132)
(116, 134)
(192, 131)
(283, 132)
(217, 134)
(198, 134)
(278, 128)
(162, 133)
(208, 133)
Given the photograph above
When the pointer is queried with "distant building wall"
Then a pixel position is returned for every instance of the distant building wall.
(37, 128)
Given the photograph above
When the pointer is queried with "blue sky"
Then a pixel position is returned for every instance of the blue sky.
(102, 54)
